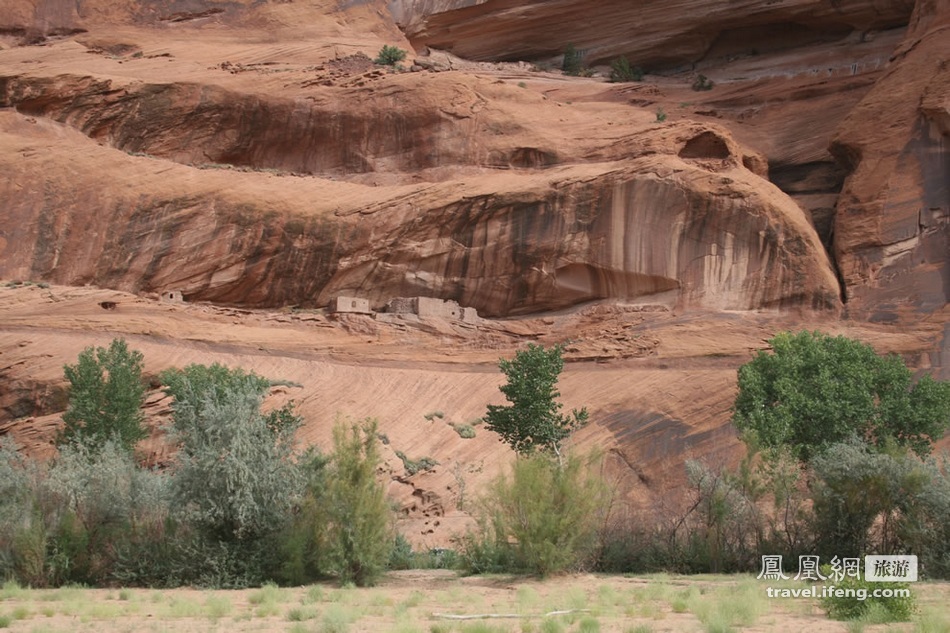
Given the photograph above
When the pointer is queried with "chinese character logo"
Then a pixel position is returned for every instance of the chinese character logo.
(890, 568)
(772, 568)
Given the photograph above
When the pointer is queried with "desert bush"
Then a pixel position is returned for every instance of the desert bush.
(573, 63)
(702, 83)
(543, 518)
(105, 397)
(465, 431)
(660, 115)
(924, 528)
(414, 466)
(359, 520)
(891, 609)
(71, 520)
(235, 481)
(389, 56)
(107, 505)
(621, 71)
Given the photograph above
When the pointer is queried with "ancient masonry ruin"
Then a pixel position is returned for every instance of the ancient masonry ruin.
(172, 296)
(422, 307)
(351, 305)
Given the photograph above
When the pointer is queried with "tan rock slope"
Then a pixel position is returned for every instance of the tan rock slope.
(251, 156)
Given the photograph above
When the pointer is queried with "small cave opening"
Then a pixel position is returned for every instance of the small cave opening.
(707, 145)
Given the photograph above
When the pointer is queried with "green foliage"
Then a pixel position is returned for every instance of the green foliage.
(621, 71)
(235, 482)
(105, 397)
(533, 421)
(414, 466)
(465, 431)
(702, 83)
(541, 519)
(303, 544)
(890, 609)
(402, 556)
(72, 519)
(235, 479)
(389, 56)
(660, 115)
(869, 500)
(573, 63)
(814, 390)
(107, 507)
(359, 533)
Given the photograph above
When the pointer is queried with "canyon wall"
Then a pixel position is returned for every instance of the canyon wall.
(651, 33)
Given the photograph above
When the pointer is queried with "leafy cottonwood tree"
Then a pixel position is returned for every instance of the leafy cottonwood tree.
(105, 397)
(533, 421)
(814, 390)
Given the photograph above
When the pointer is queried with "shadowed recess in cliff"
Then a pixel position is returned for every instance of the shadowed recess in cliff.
(206, 125)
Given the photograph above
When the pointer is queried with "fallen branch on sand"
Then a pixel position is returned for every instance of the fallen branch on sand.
(500, 616)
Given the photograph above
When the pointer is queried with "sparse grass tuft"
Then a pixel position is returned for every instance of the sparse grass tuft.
(5, 621)
(217, 607)
(268, 593)
(550, 625)
(588, 624)
(302, 614)
(335, 620)
(314, 594)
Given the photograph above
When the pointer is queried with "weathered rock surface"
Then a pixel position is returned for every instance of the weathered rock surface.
(593, 211)
(650, 33)
(892, 232)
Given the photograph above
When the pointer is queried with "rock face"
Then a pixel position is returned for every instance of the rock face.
(247, 152)
(892, 234)
(650, 33)
(460, 187)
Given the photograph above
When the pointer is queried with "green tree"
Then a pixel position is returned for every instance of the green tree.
(359, 522)
(533, 421)
(389, 56)
(814, 390)
(105, 397)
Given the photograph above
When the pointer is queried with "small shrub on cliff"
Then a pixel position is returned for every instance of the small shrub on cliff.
(621, 71)
(702, 83)
(573, 63)
(389, 56)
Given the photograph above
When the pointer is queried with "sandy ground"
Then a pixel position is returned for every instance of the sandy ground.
(419, 600)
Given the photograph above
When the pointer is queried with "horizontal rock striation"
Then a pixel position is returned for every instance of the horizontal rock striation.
(651, 33)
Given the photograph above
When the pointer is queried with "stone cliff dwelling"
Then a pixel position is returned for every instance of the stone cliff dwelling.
(351, 305)
(424, 307)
